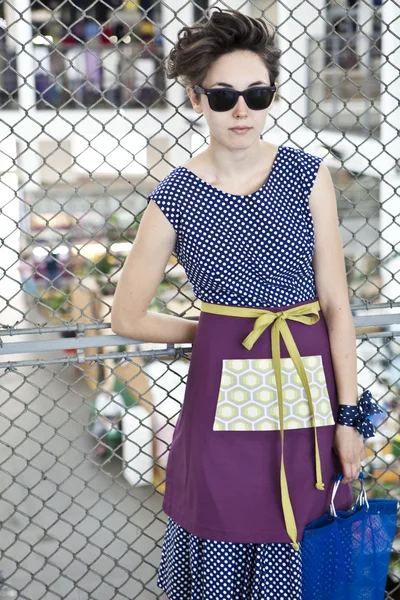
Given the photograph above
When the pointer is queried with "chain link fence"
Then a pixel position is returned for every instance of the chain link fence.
(89, 126)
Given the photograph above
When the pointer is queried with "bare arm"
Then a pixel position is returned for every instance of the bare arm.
(141, 274)
(331, 284)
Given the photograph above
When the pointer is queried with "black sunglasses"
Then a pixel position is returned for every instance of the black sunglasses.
(222, 99)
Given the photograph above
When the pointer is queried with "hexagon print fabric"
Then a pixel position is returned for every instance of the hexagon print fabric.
(248, 399)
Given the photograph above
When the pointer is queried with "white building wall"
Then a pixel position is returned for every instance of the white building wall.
(167, 129)
(390, 139)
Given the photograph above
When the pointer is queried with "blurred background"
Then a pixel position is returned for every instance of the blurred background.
(89, 125)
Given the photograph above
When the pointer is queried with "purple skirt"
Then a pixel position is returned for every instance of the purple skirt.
(223, 471)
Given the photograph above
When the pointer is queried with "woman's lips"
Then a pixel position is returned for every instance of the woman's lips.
(240, 130)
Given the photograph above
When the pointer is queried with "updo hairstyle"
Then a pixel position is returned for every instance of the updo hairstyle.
(199, 45)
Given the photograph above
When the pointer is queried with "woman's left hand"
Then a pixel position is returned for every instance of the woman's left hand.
(348, 444)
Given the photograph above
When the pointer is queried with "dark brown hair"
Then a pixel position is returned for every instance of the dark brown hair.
(199, 45)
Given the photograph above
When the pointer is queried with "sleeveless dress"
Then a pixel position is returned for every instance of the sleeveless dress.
(226, 536)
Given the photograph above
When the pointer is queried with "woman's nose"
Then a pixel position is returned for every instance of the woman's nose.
(240, 107)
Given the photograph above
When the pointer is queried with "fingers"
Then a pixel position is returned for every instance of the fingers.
(349, 445)
(351, 464)
(351, 471)
(351, 467)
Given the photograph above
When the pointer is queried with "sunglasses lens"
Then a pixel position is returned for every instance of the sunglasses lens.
(221, 100)
(256, 99)
(259, 99)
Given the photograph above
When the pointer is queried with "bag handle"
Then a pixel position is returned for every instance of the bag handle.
(361, 498)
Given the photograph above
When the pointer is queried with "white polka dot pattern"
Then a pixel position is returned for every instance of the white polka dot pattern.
(196, 569)
(246, 250)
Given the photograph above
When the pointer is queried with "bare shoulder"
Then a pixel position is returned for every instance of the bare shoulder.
(323, 187)
(328, 259)
(322, 203)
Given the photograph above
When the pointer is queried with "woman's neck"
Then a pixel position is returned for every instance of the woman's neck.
(229, 163)
(219, 165)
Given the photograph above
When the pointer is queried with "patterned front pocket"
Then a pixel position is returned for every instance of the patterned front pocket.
(248, 400)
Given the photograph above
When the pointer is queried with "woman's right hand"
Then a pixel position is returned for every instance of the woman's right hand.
(348, 444)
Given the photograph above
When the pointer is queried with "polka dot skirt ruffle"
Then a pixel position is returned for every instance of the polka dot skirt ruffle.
(192, 568)
(251, 250)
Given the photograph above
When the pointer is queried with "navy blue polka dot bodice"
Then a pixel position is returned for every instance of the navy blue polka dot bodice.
(253, 250)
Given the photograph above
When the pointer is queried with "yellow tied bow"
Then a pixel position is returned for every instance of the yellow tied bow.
(264, 318)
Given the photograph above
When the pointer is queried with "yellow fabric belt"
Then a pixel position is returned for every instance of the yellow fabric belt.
(264, 318)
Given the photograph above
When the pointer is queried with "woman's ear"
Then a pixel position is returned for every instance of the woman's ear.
(193, 99)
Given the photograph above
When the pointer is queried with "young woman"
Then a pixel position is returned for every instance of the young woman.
(257, 445)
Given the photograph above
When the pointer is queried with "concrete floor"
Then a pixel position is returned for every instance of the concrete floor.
(72, 527)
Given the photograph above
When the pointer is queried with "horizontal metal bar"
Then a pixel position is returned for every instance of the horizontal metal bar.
(373, 307)
(78, 343)
(378, 334)
(78, 327)
(169, 351)
(377, 320)
(99, 341)
(359, 321)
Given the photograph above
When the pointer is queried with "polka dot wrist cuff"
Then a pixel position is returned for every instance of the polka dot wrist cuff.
(358, 416)
(347, 414)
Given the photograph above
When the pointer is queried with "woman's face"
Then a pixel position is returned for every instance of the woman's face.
(239, 70)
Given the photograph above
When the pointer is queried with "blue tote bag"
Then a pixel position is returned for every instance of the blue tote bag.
(345, 554)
